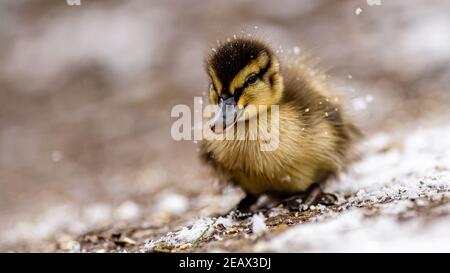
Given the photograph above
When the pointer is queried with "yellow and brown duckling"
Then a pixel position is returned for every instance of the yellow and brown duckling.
(315, 136)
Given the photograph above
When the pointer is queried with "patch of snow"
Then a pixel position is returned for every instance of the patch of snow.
(259, 224)
(219, 203)
(396, 207)
(128, 211)
(394, 182)
(358, 11)
(52, 221)
(277, 211)
(378, 142)
(190, 234)
(97, 213)
(199, 229)
(354, 232)
(225, 221)
(404, 172)
(172, 203)
(70, 246)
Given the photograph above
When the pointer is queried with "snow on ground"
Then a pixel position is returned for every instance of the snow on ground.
(394, 200)
(397, 198)
(352, 231)
(259, 224)
(190, 234)
(419, 166)
(59, 220)
(173, 203)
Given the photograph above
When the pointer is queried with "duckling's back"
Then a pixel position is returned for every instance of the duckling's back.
(311, 96)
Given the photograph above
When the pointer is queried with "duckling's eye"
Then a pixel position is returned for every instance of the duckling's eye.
(251, 79)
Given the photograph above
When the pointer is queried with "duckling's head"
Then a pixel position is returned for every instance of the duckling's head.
(243, 72)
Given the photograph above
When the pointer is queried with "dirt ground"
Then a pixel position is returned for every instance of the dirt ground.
(87, 162)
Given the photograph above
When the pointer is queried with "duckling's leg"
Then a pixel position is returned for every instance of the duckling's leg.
(313, 196)
(246, 203)
(242, 210)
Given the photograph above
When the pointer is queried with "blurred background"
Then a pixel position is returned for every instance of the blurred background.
(86, 93)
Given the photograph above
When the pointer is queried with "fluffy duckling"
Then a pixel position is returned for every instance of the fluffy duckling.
(315, 136)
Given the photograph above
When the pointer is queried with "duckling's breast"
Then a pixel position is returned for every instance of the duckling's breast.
(299, 160)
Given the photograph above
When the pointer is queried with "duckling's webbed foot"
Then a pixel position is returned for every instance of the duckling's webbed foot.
(293, 202)
(317, 196)
(314, 196)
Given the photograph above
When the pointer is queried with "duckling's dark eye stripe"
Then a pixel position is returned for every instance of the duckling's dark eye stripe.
(238, 91)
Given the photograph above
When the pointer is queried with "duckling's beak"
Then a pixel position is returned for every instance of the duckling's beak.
(226, 115)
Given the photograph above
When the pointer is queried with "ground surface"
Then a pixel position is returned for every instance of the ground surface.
(397, 198)
(87, 162)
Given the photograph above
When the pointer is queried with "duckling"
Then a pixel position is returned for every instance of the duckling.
(315, 135)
